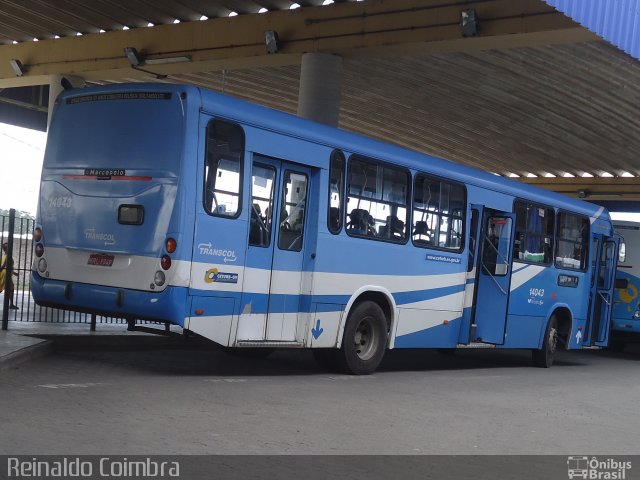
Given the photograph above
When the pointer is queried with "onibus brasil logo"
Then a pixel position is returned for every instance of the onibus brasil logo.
(597, 469)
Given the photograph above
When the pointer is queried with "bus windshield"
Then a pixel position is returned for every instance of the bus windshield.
(121, 131)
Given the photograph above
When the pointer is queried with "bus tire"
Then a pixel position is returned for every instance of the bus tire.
(365, 339)
(543, 357)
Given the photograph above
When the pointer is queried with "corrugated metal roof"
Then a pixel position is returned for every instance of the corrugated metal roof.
(617, 21)
(26, 20)
(546, 110)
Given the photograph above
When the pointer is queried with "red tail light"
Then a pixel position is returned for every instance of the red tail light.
(165, 262)
(171, 245)
(37, 234)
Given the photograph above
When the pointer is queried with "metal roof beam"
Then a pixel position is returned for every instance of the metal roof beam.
(378, 28)
(597, 188)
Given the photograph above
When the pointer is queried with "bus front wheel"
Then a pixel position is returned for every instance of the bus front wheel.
(543, 357)
(364, 340)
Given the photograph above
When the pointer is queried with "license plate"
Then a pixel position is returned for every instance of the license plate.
(100, 260)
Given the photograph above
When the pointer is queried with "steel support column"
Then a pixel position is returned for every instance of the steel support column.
(56, 86)
(320, 87)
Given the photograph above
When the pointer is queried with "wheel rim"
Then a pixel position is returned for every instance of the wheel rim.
(553, 340)
(365, 339)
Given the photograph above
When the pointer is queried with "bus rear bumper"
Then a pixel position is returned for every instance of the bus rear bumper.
(168, 305)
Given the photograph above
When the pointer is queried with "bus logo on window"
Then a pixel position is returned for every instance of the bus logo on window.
(214, 276)
(104, 172)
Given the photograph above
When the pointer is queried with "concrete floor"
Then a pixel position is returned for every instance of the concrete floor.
(133, 394)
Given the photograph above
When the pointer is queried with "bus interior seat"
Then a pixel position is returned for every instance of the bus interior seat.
(394, 228)
(421, 229)
(360, 222)
(291, 234)
(257, 231)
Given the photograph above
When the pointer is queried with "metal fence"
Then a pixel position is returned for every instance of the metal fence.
(27, 310)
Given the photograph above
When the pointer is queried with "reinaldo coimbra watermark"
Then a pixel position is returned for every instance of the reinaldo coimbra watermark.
(102, 467)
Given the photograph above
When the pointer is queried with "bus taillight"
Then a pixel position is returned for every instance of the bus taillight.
(37, 234)
(39, 250)
(171, 245)
(165, 262)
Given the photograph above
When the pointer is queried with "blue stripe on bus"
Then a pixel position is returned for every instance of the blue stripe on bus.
(285, 303)
(403, 298)
(439, 336)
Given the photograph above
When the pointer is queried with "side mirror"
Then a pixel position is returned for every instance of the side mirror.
(622, 253)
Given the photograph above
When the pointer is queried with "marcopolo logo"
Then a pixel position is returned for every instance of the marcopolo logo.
(597, 469)
(214, 276)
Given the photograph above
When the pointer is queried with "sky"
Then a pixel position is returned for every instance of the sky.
(22, 153)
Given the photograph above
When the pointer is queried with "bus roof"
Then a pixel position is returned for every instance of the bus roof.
(267, 118)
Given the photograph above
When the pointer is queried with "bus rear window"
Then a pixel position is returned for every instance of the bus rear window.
(144, 137)
(223, 169)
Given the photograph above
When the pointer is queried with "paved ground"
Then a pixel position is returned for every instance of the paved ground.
(150, 395)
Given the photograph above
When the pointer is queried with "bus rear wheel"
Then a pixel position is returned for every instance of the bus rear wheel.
(365, 339)
(543, 357)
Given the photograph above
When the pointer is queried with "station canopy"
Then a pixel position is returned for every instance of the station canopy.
(547, 92)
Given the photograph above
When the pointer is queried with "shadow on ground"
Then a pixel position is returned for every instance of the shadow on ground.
(196, 356)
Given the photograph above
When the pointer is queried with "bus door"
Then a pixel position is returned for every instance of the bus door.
(493, 277)
(274, 256)
(604, 260)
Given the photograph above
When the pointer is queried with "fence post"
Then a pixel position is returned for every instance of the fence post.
(93, 322)
(8, 269)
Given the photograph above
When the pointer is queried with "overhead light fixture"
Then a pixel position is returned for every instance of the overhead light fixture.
(136, 60)
(589, 194)
(166, 60)
(469, 23)
(133, 56)
(271, 41)
(17, 67)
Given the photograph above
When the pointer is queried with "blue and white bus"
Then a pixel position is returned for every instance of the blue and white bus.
(625, 322)
(258, 229)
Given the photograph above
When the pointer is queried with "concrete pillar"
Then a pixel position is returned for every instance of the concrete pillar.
(320, 85)
(57, 84)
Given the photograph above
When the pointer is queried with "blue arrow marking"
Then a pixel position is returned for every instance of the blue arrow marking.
(316, 332)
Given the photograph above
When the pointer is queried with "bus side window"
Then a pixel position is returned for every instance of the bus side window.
(292, 211)
(262, 191)
(473, 234)
(336, 191)
(534, 233)
(438, 213)
(377, 200)
(572, 243)
(496, 244)
(223, 169)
